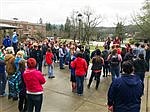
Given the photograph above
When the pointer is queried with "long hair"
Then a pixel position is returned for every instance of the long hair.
(22, 65)
(98, 58)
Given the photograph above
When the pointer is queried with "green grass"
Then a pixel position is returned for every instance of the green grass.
(92, 48)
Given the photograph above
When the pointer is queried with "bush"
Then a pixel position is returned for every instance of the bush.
(133, 41)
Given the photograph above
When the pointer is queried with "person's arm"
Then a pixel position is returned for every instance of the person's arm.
(86, 67)
(73, 64)
(110, 95)
(120, 58)
(102, 61)
(41, 78)
(108, 58)
(2, 62)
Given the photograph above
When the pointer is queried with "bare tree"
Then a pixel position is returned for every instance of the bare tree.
(90, 23)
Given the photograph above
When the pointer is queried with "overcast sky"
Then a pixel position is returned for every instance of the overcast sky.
(56, 11)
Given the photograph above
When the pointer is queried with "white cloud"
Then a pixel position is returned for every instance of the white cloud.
(56, 11)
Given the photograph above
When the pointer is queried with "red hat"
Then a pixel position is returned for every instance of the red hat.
(31, 63)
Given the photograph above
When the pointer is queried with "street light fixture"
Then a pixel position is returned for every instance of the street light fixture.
(80, 19)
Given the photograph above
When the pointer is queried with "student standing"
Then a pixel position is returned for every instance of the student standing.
(80, 66)
(33, 80)
(125, 92)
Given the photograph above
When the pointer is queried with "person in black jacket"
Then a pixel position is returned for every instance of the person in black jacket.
(97, 62)
(39, 58)
(125, 92)
(140, 66)
(147, 58)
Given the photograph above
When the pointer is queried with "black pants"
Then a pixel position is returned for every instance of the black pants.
(34, 101)
(15, 45)
(97, 76)
(22, 104)
(39, 66)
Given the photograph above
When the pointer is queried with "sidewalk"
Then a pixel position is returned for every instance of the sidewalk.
(59, 98)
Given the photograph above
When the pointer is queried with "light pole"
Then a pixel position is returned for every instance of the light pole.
(80, 19)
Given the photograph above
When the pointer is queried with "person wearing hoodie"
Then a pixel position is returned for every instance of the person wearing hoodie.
(10, 69)
(34, 80)
(140, 66)
(19, 57)
(80, 66)
(125, 92)
(49, 61)
(7, 41)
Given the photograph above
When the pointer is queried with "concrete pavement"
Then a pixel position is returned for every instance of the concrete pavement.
(59, 98)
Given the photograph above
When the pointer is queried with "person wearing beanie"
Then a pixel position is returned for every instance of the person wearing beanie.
(97, 63)
(34, 80)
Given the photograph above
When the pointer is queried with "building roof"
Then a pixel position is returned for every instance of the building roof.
(6, 26)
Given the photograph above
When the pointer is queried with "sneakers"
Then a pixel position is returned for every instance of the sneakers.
(88, 86)
(51, 77)
(15, 98)
(9, 97)
(3, 95)
(80, 94)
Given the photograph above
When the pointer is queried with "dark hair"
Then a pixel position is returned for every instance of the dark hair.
(79, 54)
(98, 52)
(114, 51)
(141, 56)
(39, 46)
(142, 46)
(49, 50)
(22, 65)
(127, 67)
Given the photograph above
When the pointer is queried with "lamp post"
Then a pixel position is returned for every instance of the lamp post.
(80, 19)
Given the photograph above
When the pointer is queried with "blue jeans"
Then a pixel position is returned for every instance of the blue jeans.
(34, 101)
(141, 75)
(61, 62)
(50, 70)
(80, 84)
(115, 72)
(3, 81)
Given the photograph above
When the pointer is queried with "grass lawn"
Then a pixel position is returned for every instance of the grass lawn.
(92, 48)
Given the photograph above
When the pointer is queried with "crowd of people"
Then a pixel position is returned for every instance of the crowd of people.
(23, 63)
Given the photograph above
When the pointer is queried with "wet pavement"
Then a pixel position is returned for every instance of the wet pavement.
(58, 96)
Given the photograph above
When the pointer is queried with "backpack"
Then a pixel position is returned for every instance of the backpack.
(15, 82)
(96, 65)
(114, 60)
(105, 54)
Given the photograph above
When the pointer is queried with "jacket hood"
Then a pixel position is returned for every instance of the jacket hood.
(8, 57)
(29, 73)
(130, 80)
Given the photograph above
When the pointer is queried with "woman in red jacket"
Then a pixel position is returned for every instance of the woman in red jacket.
(49, 61)
(80, 66)
(33, 80)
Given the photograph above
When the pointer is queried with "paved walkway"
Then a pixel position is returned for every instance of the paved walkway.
(59, 98)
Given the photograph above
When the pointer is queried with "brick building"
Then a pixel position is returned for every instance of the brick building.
(26, 29)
